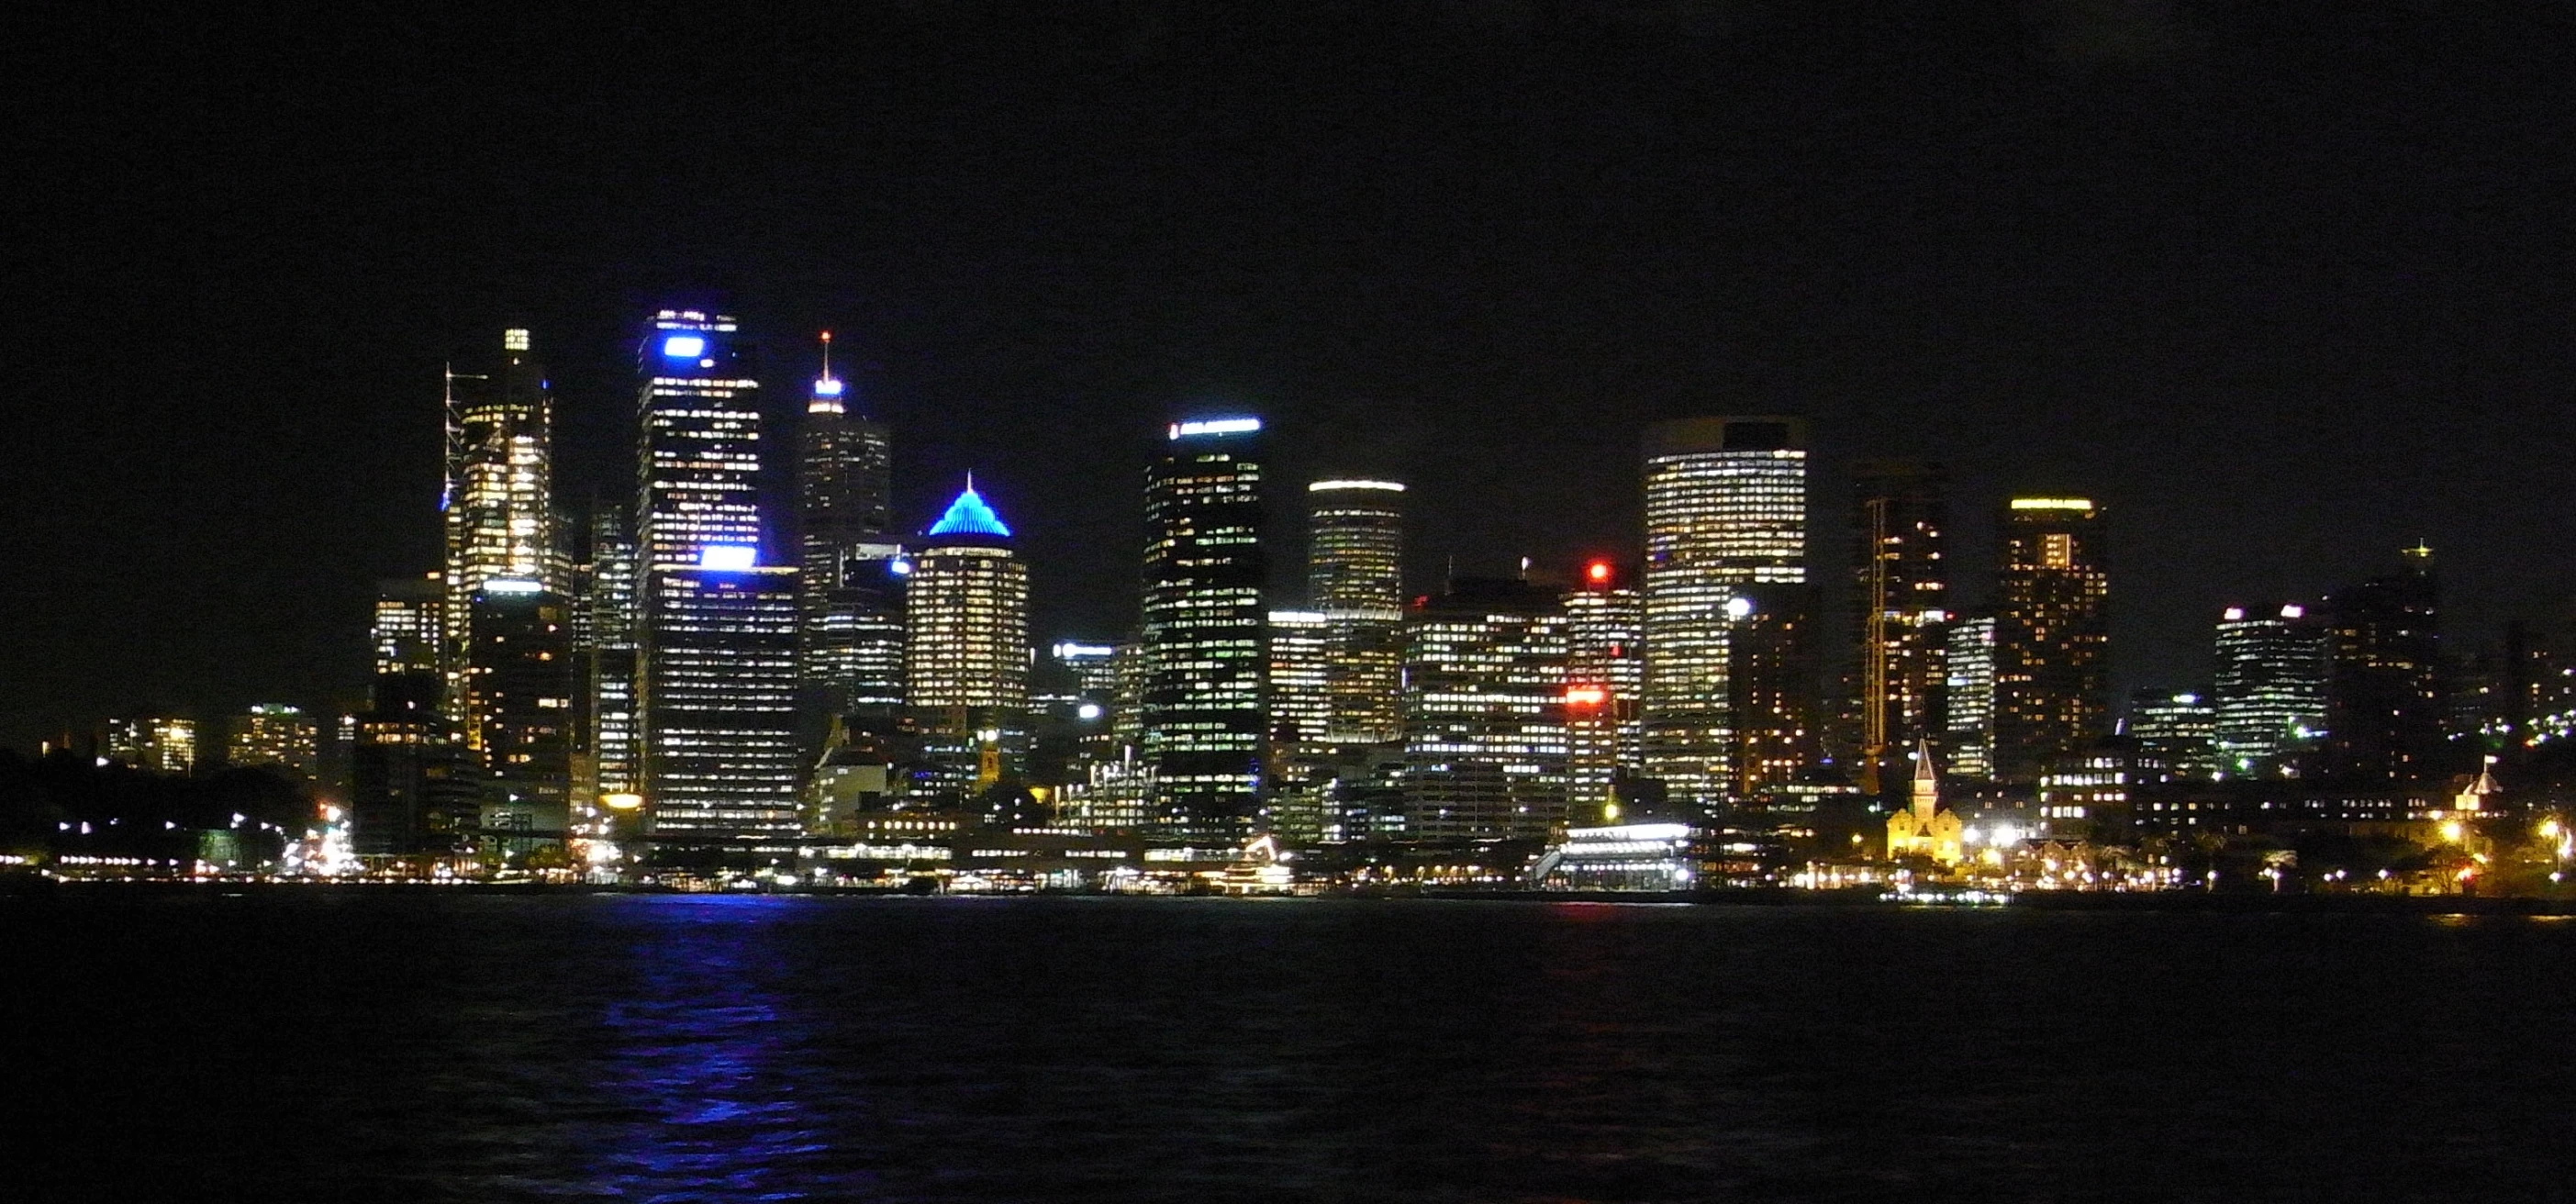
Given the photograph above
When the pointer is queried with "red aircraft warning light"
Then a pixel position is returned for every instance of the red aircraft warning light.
(1597, 572)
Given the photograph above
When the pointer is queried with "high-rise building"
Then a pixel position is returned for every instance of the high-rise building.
(276, 735)
(606, 663)
(499, 500)
(1301, 675)
(1605, 671)
(698, 455)
(161, 744)
(852, 626)
(1899, 513)
(1485, 741)
(1771, 687)
(1355, 580)
(519, 698)
(2052, 635)
(409, 635)
(1968, 689)
(2177, 732)
(718, 757)
(2385, 713)
(966, 646)
(2270, 700)
(720, 762)
(1726, 508)
(1203, 628)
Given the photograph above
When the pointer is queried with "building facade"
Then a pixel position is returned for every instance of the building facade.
(499, 499)
(1726, 508)
(1203, 721)
(1900, 511)
(1968, 687)
(2385, 711)
(2270, 695)
(1486, 746)
(1355, 580)
(276, 736)
(1605, 672)
(851, 632)
(2052, 635)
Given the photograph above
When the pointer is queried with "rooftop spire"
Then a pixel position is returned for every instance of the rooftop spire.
(827, 387)
(970, 515)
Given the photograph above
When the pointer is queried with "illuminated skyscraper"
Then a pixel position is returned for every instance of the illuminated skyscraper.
(966, 643)
(162, 744)
(852, 626)
(499, 500)
(698, 458)
(1485, 741)
(1726, 508)
(1605, 670)
(2052, 635)
(519, 698)
(606, 663)
(1203, 628)
(1771, 687)
(1968, 673)
(1899, 513)
(721, 764)
(2270, 700)
(718, 761)
(409, 634)
(1355, 581)
(1301, 673)
(276, 735)
(2175, 733)
(2385, 710)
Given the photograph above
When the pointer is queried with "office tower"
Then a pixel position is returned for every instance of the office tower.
(278, 736)
(1605, 670)
(499, 499)
(519, 698)
(2384, 704)
(698, 456)
(966, 640)
(1771, 687)
(1301, 675)
(2177, 732)
(2052, 635)
(1485, 741)
(606, 668)
(1968, 689)
(1726, 507)
(720, 762)
(161, 744)
(1092, 667)
(851, 628)
(2270, 699)
(718, 756)
(1355, 580)
(1900, 510)
(409, 635)
(1203, 627)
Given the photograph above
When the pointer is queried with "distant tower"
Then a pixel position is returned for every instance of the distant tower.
(1485, 741)
(1301, 676)
(161, 744)
(852, 627)
(1968, 659)
(719, 760)
(2384, 699)
(499, 500)
(1605, 669)
(1771, 686)
(607, 668)
(278, 736)
(2271, 690)
(1899, 514)
(967, 623)
(1204, 624)
(1355, 580)
(520, 686)
(1726, 508)
(2052, 635)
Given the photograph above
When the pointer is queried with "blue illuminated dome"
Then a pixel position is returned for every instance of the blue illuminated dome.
(970, 515)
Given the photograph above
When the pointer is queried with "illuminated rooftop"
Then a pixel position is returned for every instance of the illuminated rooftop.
(970, 515)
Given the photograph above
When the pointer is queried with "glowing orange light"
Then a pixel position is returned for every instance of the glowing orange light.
(1598, 572)
(1586, 696)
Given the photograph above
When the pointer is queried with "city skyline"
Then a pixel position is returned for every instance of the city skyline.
(2271, 289)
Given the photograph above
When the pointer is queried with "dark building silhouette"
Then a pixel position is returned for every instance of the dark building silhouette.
(1900, 614)
(2385, 712)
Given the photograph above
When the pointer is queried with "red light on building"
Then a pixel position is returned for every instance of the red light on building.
(1597, 572)
(1586, 696)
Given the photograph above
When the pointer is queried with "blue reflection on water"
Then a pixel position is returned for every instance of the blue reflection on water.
(705, 1059)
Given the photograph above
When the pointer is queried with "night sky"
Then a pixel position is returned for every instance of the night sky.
(2286, 286)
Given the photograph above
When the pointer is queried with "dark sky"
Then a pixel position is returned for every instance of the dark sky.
(2287, 286)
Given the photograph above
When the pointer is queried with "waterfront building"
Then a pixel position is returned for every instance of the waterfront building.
(1203, 723)
(720, 765)
(1925, 828)
(519, 689)
(698, 452)
(967, 623)
(1605, 671)
(498, 504)
(1771, 687)
(1485, 740)
(1355, 580)
(2052, 634)
(2177, 731)
(1899, 514)
(278, 736)
(851, 631)
(159, 743)
(1968, 691)
(1726, 508)
(2270, 700)
(2385, 712)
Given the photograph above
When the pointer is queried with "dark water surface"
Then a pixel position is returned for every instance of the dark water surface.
(307, 1045)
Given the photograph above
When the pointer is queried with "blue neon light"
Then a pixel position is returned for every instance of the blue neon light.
(683, 347)
(728, 557)
(969, 515)
(827, 387)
